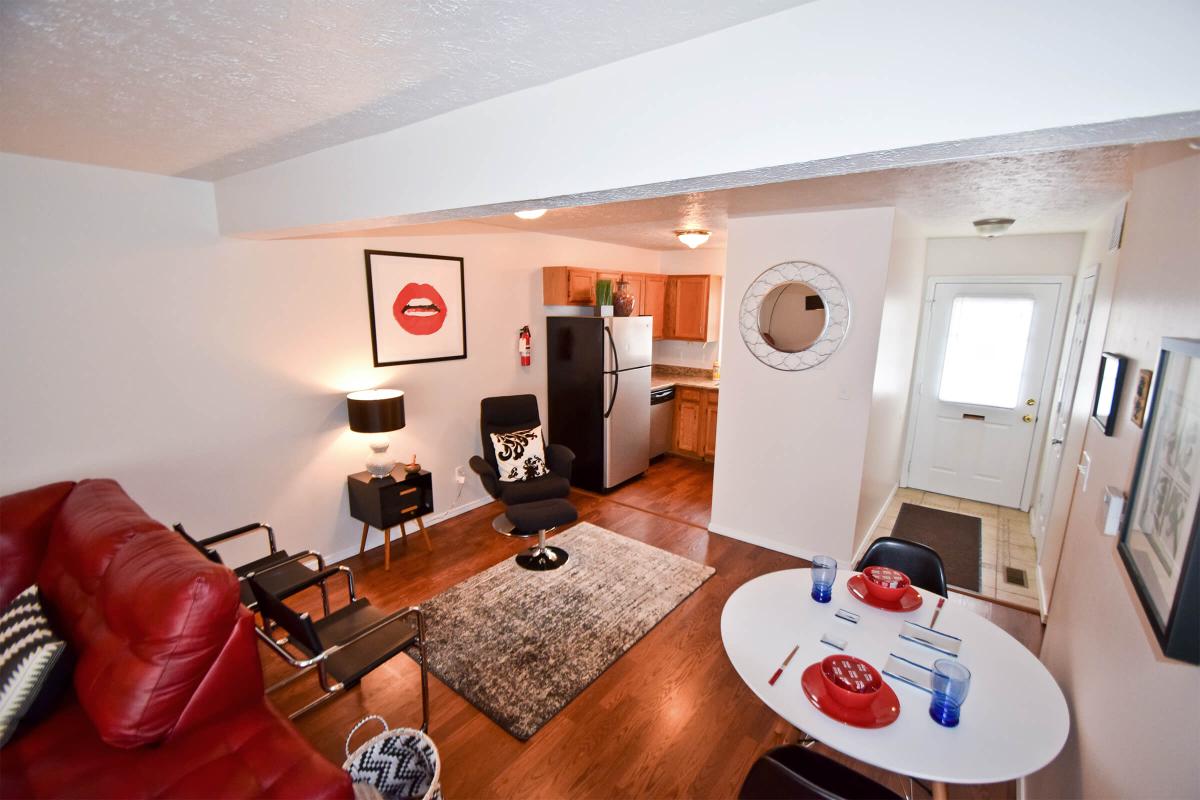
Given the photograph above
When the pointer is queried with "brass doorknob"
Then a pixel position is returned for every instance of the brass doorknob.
(1028, 418)
(1030, 402)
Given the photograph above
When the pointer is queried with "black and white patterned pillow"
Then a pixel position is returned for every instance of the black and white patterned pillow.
(520, 455)
(29, 651)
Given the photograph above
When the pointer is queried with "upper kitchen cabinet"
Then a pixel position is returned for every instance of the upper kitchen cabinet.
(693, 308)
(637, 287)
(654, 302)
(569, 286)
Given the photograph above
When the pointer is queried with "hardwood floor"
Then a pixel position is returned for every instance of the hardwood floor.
(670, 718)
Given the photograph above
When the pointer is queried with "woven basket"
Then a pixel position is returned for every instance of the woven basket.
(398, 764)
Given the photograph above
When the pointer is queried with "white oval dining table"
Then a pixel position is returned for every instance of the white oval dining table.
(1014, 720)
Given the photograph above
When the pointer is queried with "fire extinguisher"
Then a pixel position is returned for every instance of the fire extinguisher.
(524, 345)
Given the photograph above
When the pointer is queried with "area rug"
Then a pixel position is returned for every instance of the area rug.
(958, 539)
(520, 645)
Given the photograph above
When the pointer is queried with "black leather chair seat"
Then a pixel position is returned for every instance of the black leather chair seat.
(543, 488)
(274, 572)
(792, 772)
(529, 518)
(351, 663)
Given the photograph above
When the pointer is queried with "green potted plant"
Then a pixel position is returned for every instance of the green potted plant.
(604, 298)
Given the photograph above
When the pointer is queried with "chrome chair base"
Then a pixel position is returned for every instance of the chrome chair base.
(540, 559)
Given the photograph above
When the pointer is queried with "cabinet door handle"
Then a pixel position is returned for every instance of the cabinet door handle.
(410, 508)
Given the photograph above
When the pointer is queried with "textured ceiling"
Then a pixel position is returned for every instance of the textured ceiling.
(1045, 192)
(211, 88)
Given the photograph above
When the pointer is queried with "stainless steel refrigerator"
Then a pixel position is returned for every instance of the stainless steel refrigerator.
(598, 371)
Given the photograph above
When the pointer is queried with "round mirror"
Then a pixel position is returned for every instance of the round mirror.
(792, 317)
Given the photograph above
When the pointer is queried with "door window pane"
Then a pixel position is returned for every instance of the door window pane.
(985, 350)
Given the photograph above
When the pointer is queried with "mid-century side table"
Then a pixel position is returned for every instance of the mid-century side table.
(384, 503)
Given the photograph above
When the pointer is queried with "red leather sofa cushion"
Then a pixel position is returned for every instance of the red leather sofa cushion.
(146, 613)
(25, 519)
(247, 752)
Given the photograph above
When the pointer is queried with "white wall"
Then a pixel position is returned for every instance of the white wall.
(893, 374)
(790, 445)
(1134, 727)
(745, 99)
(1037, 254)
(208, 375)
(701, 355)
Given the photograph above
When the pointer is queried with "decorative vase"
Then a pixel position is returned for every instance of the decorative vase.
(623, 300)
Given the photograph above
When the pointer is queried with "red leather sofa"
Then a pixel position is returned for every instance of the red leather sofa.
(168, 693)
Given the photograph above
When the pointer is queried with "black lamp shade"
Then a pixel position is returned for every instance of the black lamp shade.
(376, 410)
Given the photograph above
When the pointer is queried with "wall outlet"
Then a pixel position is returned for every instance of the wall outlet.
(460, 475)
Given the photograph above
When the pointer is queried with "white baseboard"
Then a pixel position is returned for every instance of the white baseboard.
(375, 537)
(762, 541)
(1043, 602)
(866, 540)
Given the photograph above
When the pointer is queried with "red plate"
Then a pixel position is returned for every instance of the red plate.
(882, 711)
(909, 601)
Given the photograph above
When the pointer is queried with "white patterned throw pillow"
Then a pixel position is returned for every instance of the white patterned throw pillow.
(29, 649)
(520, 455)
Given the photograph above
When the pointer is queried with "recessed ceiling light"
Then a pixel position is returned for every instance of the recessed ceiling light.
(992, 227)
(693, 238)
(531, 213)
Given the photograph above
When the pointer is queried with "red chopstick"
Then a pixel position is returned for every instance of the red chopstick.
(783, 666)
(937, 611)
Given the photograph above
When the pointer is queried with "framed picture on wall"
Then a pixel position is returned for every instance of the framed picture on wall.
(1108, 391)
(417, 304)
(1158, 541)
(1141, 397)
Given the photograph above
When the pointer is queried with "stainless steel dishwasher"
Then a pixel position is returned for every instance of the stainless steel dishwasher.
(662, 419)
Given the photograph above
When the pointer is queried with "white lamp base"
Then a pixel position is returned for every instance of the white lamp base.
(380, 465)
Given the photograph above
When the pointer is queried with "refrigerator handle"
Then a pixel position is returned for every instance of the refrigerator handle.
(612, 345)
(616, 375)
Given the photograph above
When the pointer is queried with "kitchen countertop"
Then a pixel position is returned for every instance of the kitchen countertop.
(663, 375)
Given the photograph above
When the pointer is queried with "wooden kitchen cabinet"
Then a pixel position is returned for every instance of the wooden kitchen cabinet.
(637, 287)
(654, 303)
(695, 422)
(693, 308)
(569, 286)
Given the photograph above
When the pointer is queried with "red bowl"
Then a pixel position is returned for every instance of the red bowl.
(851, 681)
(885, 583)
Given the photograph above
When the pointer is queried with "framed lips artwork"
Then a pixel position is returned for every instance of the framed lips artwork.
(418, 307)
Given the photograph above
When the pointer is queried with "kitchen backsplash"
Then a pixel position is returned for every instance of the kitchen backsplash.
(686, 354)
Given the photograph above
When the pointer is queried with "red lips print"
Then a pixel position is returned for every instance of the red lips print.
(419, 309)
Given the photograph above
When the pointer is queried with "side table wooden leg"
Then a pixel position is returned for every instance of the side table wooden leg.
(387, 549)
(425, 533)
(940, 792)
(404, 535)
(362, 545)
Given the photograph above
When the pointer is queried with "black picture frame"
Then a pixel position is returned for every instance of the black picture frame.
(384, 359)
(1107, 399)
(1166, 474)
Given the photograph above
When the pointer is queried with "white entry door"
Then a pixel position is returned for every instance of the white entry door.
(982, 374)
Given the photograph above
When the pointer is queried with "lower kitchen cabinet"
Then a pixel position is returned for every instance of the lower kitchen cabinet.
(695, 422)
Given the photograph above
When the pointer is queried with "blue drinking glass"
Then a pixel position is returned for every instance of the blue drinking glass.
(824, 570)
(951, 680)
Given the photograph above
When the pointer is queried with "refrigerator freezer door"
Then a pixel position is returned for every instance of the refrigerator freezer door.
(627, 428)
(632, 339)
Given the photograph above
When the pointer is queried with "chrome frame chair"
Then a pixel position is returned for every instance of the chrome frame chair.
(356, 649)
(288, 569)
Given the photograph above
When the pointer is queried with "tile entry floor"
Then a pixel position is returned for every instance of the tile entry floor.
(1007, 543)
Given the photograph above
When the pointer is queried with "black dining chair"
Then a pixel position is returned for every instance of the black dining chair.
(921, 564)
(793, 772)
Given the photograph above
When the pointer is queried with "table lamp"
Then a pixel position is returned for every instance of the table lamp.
(377, 411)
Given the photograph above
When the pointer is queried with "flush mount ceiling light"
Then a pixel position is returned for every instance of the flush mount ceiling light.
(992, 227)
(531, 213)
(693, 238)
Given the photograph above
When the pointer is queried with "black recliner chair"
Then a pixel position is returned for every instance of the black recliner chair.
(513, 413)
(535, 506)
(921, 564)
